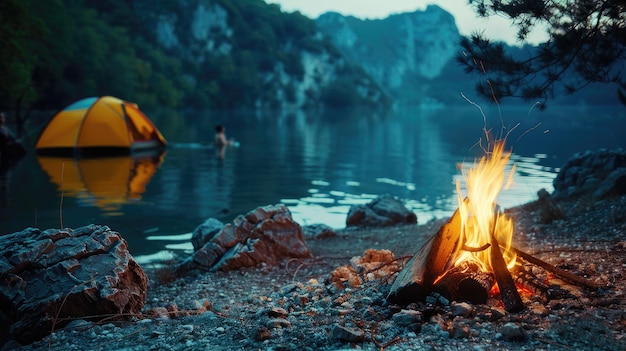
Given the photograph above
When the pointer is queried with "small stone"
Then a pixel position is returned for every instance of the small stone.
(220, 330)
(262, 334)
(462, 309)
(460, 331)
(347, 334)
(160, 313)
(497, 313)
(277, 323)
(277, 312)
(407, 317)
(512, 332)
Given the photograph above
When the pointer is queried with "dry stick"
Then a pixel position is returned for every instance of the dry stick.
(508, 291)
(572, 278)
(62, 191)
(475, 249)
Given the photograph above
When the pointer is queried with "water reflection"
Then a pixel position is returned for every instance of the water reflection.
(317, 164)
(104, 182)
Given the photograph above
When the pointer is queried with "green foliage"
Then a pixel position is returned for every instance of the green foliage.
(17, 28)
(55, 52)
(587, 44)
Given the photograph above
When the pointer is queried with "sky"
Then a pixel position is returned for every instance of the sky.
(494, 28)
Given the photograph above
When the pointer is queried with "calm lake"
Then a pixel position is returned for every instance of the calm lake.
(318, 164)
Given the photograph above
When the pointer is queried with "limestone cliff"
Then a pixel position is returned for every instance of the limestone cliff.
(280, 56)
(404, 53)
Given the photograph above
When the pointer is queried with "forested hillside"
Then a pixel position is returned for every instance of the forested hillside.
(172, 54)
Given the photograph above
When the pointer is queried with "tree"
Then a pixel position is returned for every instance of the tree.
(587, 44)
(17, 28)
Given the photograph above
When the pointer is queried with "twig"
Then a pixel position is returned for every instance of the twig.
(380, 346)
(572, 278)
(475, 249)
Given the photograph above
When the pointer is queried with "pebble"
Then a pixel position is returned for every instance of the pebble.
(277, 323)
(462, 309)
(512, 332)
(345, 334)
(407, 317)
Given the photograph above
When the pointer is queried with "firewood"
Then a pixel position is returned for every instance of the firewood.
(570, 277)
(524, 277)
(508, 291)
(433, 259)
(465, 282)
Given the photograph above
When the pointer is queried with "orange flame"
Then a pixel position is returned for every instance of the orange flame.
(484, 181)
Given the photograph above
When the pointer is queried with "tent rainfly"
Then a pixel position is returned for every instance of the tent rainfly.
(99, 125)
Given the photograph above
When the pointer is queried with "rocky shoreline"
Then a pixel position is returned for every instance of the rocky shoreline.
(293, 306)
(298, 305)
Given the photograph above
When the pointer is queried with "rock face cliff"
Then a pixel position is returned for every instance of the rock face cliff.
(404, 53)
(289, 65)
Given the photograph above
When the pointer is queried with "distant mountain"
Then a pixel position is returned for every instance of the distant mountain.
(404, 53)
(412, 57)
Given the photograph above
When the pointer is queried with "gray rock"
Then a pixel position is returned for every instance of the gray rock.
(601, 173)
(264, 235)
(59, 273)
(273, 323)
(512, 332)
(205, 231)
(463, 309)
(613, 185)
(384, 211)
(318, 231)
(407, 317)
(345, 334)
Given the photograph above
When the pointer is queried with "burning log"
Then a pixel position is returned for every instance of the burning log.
(465, 283)
(432, 260)
(508, 291)
(524, 277)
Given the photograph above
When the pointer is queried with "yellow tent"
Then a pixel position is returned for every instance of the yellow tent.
(101, 125)
(105, 182)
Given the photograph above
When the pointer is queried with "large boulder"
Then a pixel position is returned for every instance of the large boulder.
(599, 174)
(264, 235)
(384, 211)
(50, 277)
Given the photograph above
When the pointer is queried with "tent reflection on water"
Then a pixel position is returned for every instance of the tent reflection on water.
(105, 182)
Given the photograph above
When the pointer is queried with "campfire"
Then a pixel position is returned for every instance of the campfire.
(471, 257)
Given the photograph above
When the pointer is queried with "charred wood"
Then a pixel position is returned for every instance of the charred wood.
(530, 281)
(465, 282)
(508, 291)
(415, 280)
